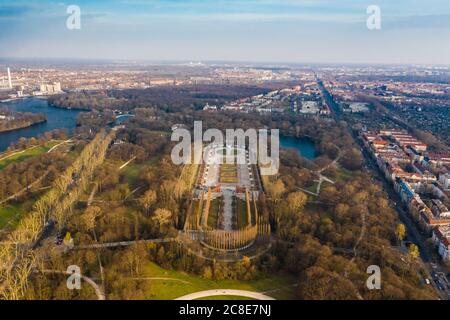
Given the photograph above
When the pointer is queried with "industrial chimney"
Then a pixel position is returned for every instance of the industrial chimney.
(9, 79)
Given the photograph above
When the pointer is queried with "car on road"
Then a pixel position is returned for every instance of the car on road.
(59, 239)
(439, 283)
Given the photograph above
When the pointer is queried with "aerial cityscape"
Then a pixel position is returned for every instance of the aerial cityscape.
(197, 175)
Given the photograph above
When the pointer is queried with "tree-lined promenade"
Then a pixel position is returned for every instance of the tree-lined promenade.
(52, 209)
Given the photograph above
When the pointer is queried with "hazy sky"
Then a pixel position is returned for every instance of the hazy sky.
(327, 31)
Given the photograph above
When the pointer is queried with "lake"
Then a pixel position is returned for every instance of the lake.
(56, 119)
(304, 146)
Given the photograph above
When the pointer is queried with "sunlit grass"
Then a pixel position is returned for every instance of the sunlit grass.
(32, 152)
(182, 283)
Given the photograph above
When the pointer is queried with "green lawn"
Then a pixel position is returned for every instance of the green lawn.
(312, 187)
(132, 170)
(27, 154)
(10, 214)
(343, 175)
(213, 214)
(171, 289)
(241, 213)
(130, 173)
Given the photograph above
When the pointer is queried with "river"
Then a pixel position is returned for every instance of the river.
(57, 118)
(304, 146)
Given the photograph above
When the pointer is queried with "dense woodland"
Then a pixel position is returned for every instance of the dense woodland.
(18, 120)
(325, 243)
(18, 175)
(167, 98)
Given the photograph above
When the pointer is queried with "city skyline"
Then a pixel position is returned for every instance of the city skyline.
(285, 31)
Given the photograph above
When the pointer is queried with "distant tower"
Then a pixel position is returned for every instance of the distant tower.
(9, 79)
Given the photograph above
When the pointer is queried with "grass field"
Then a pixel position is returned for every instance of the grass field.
(228, 173)
(181, 284)
(31, 152)
(10, 214)
(313, 187)
(343, 175)
(241, 213)
(213, 215)
(131, 171)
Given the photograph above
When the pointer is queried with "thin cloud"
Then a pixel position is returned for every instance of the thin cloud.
(418, 22)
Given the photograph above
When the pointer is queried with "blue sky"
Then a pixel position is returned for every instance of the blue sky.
(324, 31)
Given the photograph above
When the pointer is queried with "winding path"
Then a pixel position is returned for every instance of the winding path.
(96, 287)
(18, 152)
(56, 146)
(127, 163)
(225, 292)
(322, 178)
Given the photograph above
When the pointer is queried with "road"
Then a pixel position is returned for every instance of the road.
(413, 233)
(225, 292)
(371, 165)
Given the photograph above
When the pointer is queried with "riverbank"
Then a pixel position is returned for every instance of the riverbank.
(56, 118)
(81, 109)
(23, 126)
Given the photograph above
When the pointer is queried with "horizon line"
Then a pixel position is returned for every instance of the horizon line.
(212, 61)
